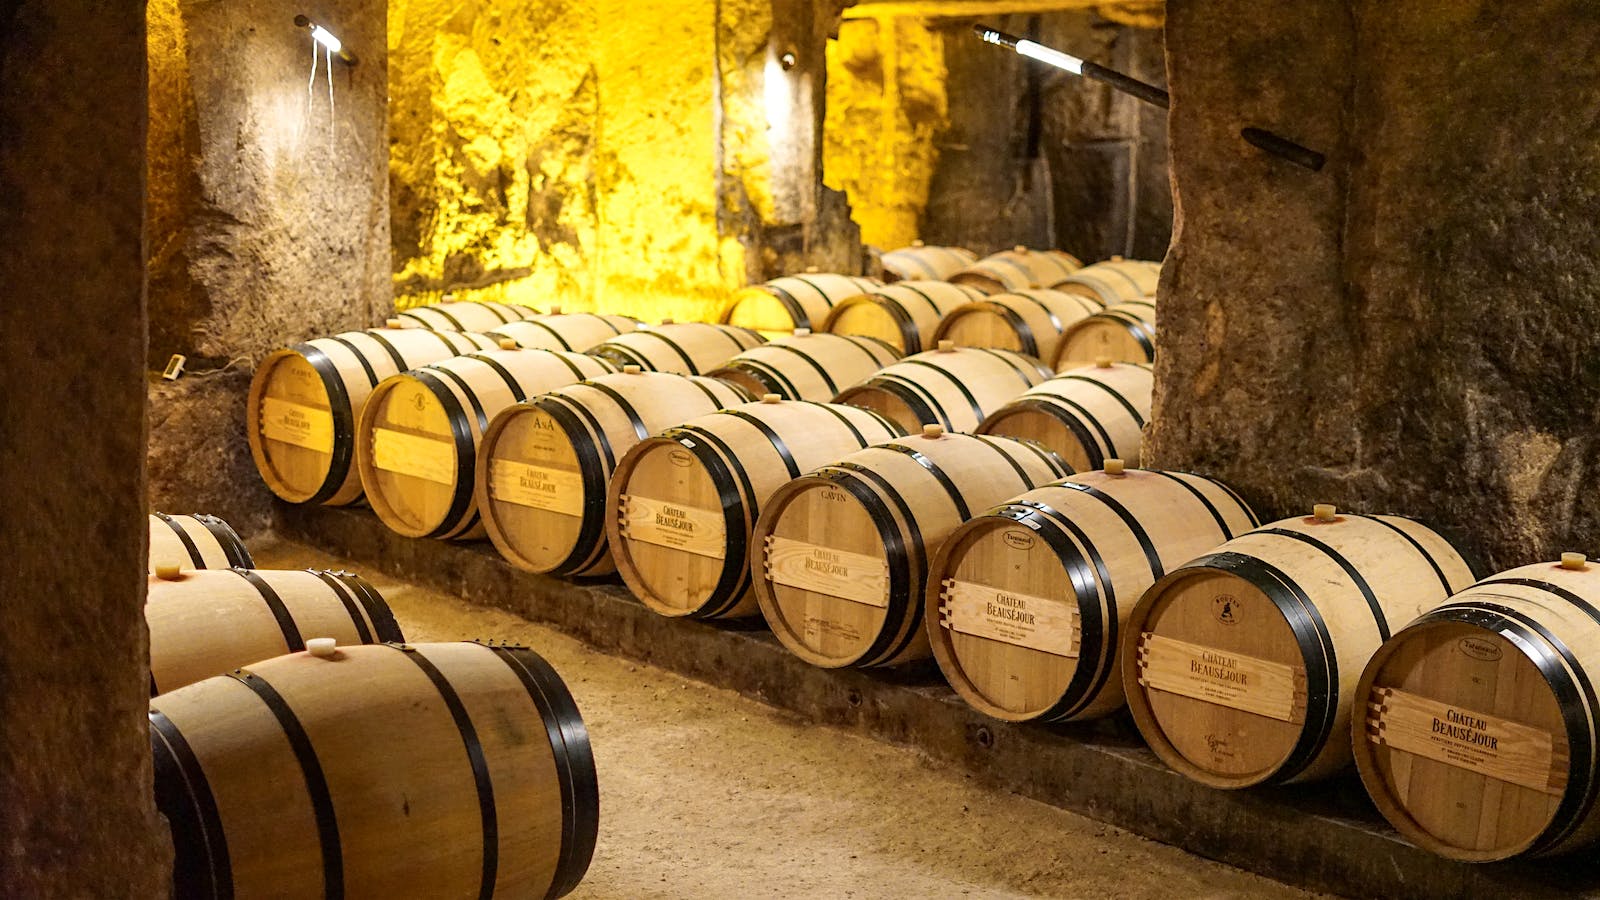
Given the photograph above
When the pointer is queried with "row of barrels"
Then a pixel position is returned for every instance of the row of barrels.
(1107, 309)
(302, 748)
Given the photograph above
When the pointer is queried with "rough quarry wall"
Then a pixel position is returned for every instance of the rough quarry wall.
(77, 817)
(937, 135)
(603, 154)
(268, 220)
(1416, 328)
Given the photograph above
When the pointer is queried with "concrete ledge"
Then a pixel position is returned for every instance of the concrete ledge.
(1324, 837)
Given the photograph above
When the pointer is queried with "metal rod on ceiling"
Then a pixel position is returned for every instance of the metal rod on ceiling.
(1276, 145)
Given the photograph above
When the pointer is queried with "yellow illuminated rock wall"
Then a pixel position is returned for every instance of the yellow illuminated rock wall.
(560, 151)
(886, 102)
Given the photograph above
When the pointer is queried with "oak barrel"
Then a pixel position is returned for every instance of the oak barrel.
(1018, 268)
(211, 622)
(1114, 280)
(417, 443)
(1476, 725)
(1087, 415)
(1241, 665)
(686, 348)
(464, 316)
(682, 503)
(806, 366)
(195, 542)
(578, 332)
(1125, 332)
(1026, 603)
(955, 387)
(921, 262)
(786, 304)
(903, 315)
(431, 770)
(305, 401)
(842, 553)
(1027, 320)
(545, 463)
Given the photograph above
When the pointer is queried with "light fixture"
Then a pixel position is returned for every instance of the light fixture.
(327, 39)
(1278, 146)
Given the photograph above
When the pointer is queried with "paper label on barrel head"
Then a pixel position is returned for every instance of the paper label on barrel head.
(427, 458)
(1038, 623)
(552, 490)
(292, 423)
(1223, 677)
(824, 570)
(1497, 748)
(674, 525)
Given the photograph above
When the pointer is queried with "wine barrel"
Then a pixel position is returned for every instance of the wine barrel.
(686, 348)
(195, 542)
(430, 770)
(806, 366)
(952, 387)
(1018, 268)
(1027, 602)
(211, 622)
(464, 316)
(1241, 665)
(1125, 332)
(578, 332)
(417, 443)
(1476, 724)
(1086, 415)
(545, 463)
(842, 553)
(1114, 281)
(305, 401)
(903, 315)
(920, 262)
(682, 503)
(786, 304)
(1027, 321)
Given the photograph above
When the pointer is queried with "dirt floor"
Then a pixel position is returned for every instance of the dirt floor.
(707, 794)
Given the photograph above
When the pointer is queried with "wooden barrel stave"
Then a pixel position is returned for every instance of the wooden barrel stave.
(206, 623)
(842, 552)
(305, 402)
(1512, 659)
(456, 770)
(1086, 415)
(920, 262)
(1114, 281)
(195, 542)
(785, 305)
(1125, 332)
(567, 442)
(903, 315)
(420, 432)
(681, 505)
(577, 332)
(466, 315)
(1073, 557)
(1259, 616)
(683, 348)
(953, 387)
(1018, 268)
(1029, 321)
(806, 366)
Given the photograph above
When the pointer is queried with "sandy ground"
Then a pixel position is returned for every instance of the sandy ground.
(707, 794)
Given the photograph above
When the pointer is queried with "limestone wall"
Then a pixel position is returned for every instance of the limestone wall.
(1415, 329)
(268, 208)
(76, 811)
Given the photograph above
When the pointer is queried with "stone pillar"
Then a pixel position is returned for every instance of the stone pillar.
(77, 817)
(1414, 329)
(269, 219)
